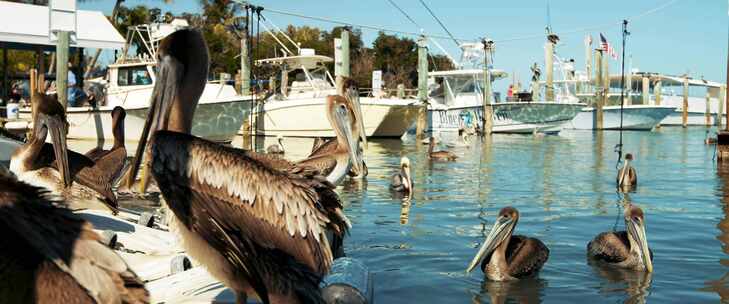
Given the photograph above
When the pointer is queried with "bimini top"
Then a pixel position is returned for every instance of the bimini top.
(22, 25)
(296, 62)
(495, 74)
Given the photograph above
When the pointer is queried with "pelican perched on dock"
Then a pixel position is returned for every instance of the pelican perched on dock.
(624, 249)
(50, 255)
(257, 229)
(627, 178)
(401, 181)
(81, 181)
(509, 257)
(345, 156)
(276, 148)
(439, 155)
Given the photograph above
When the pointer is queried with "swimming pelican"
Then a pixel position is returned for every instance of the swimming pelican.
(624, 249)
(276, 148)
(112, 160)
(506, 257)
(50, 255)
(440, 155)
(708, 140)
(337, 163)
(255, 228)
(401, 181)
(627, 177)
(81, 181)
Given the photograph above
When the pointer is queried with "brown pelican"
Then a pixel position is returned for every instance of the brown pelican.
(506, 257)
(624, 249)
(112, 160)
(439, 155)
(345, 156)
(401, 181)
(708, 140)
(318, 142)
(50, 255)
(276, 148)
(74, 176)
(627, 177)
(255, 228)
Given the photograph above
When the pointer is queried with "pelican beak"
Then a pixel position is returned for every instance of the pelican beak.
(636, 228)
(163, 97)
(58, 128)
(343, 123)
(358, 116)
(499, 232)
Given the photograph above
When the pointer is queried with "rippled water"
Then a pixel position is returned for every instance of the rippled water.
(564, 189)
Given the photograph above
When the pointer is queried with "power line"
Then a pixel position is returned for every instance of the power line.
(406, 14)
(439, 22)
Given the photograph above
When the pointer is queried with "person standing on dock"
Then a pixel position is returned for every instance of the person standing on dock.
(73, 98)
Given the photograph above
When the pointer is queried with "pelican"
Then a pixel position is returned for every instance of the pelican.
(440, 155)
(81, 181)
(401, 181)
(337, 163)
(276, 148)
(506, 257)
(708, 140)
(50, 255)
(627, 177)
(112, 160)
(255, 228)
(318, 142)
(624, 249)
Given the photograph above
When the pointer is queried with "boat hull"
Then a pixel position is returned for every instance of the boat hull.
(635, 117)
(307, 117)
(216, 121)
(508, 117)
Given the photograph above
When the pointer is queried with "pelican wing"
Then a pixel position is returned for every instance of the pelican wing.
(324, 147)
(318, 142)
(109, 166)
(525, 255)
(325, 163)
(232, 199)
(611, 247)
(64, 251)
(96, 153)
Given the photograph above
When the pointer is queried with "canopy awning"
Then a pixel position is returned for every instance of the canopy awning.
(25, 25)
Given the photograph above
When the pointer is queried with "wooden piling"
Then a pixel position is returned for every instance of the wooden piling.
(684, 115)
(422, 88)
(345, 52)
(245, 69)
(707, 112)
(62, 67)
(646, 90)
(549, 70)
(720, 112)
(588, 58)
(488, 107)
(657, 92)
(401, 91)
(599, 82)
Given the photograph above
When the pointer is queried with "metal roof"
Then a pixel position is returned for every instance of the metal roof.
(22, 25)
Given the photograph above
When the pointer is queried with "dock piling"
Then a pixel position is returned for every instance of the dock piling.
(488, 108)
(598, 119)
(720, 112)
(684, 115)
(707, 112)
(549, 69)
(62, 67)
(422, 88)
(646, 90)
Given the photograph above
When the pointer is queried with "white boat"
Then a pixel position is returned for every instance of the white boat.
(129, 83)
(297, 108)
(635, 117)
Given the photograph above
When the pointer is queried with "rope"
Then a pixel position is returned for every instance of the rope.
(441, 23)
(619, 147)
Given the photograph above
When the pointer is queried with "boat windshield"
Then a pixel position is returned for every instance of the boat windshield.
(449, 89)
(134, 75)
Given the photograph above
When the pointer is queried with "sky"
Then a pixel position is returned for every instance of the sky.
(667, 36)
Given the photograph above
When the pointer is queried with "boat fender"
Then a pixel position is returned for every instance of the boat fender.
(179, 264)
(108, 238)
(348, 282)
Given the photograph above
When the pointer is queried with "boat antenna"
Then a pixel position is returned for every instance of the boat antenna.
(549, 20)
(619, 146)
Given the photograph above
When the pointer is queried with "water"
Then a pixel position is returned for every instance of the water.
(564, 189)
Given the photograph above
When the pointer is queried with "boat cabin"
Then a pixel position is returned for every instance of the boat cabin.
(311, 78)
(460, 88)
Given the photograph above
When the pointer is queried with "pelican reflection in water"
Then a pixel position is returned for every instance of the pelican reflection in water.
(509, 257)
(257, 229)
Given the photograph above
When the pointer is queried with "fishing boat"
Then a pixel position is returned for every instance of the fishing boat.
(129, 83)
(296, 108)
(705, 100)
(456, 102)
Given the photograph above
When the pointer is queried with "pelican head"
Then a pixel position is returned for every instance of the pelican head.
(182, 69)
(635, 224)
(501, 231)
(628, 157)
(339, 115)
(405, 172)
(50, 116)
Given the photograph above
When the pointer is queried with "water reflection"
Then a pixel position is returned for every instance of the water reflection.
(721, 285)
(527, 290)
(404, 211)
(635, 284)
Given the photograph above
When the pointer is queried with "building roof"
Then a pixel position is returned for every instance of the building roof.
(25, 25)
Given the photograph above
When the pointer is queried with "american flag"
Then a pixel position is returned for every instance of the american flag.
(605, 45)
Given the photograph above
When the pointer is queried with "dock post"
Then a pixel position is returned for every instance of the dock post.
(421, 125)
(707, 113)
(684, 116)
(657, 92)
(646, 90)
(401, 91)
(345, 51)
(598, 119)
(245, 90)
(720, 112)
(62, 67)
(488, 108)
(549, 69)
(588, 57)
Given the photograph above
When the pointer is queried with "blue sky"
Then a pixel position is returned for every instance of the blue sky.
(686, 35)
